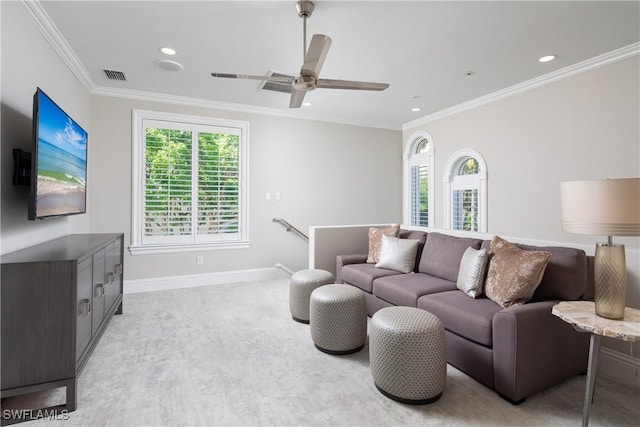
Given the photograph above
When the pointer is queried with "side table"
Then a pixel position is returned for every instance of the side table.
(582, 316)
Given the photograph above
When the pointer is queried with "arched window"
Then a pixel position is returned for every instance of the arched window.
(465, 183)
(418, 180)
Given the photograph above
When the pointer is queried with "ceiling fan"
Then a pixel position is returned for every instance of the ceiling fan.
(313, 60)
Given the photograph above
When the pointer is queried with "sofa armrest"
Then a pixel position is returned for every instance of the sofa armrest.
(533, 350)
(342, 260)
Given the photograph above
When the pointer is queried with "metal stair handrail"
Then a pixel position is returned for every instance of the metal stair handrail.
(290, 227)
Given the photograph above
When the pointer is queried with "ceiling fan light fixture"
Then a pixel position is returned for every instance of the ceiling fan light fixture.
(547, 58)
(168, 51)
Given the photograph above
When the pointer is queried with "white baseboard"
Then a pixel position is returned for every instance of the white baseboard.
(195, 280)
(619, 367)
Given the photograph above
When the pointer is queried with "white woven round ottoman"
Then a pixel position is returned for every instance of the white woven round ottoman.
(301, 284)
(407, 354)
(338, 317)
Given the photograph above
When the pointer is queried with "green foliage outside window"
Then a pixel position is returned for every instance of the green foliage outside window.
(218, 183)
(170, 195)
(168, 182)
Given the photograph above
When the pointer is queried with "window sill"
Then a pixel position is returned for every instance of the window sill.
(165, 249)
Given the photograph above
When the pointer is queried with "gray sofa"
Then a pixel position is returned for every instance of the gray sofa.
(517, 351)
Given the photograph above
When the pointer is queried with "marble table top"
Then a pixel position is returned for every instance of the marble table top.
(582, 315)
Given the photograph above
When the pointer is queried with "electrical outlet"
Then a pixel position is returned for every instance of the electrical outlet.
(199, 260)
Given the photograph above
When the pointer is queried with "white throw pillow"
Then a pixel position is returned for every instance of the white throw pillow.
(473, 267)
(398, 254)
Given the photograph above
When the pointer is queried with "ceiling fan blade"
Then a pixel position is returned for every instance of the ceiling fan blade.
(297, 96)
(316, 54)
(349, 84)
(254, 77)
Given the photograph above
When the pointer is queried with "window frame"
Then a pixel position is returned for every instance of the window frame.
(138, 246)
(410, 159)
(453, 182)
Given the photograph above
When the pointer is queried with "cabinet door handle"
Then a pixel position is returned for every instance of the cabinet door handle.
(86, 309)
(100, 290)
(110, 278)
(118, 269)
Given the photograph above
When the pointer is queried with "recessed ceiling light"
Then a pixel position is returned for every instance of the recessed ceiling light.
(547, 58)
(415, 109)
(307, 104)
(165, 64)
(168, 51)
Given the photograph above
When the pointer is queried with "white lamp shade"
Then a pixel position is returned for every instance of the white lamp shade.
(609, 207)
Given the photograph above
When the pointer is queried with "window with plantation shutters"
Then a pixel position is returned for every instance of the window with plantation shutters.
(420, 195)
(466, 192)
(421, 182)
(189, 187)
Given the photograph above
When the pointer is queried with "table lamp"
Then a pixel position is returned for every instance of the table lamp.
(609, 207)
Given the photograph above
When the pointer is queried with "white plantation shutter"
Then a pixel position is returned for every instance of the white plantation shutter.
(167, 188)
(465, 209)
(191, 177)
(421, 182)
(218, 184)
(419, 195)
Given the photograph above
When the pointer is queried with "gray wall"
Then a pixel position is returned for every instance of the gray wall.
(581, 127)
(28, 62)
(326, 174)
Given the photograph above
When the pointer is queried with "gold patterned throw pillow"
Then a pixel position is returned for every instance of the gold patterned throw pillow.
(375, 236)
(514, 273)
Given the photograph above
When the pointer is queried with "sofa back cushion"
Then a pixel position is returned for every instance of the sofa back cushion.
(442, 254)
(565, 277)
(420, 236)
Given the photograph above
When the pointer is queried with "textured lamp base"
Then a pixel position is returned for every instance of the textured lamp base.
(610, 280)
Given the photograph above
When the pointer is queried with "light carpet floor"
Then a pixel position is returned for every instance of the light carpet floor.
(232, 355)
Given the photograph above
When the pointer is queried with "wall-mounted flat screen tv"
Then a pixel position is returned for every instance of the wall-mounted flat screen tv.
(58, 163)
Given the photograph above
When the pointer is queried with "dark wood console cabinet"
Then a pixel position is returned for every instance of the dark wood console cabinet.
(57, 299)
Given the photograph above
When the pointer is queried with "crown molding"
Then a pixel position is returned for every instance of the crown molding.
(229, 106)
(46, 27)
(572, 70)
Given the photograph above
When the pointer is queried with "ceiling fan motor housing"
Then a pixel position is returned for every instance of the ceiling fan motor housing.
(304, 8)
(304, 83)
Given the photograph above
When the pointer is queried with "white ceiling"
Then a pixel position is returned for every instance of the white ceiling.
(423, 49)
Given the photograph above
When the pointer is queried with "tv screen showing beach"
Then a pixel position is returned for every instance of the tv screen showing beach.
(61, 161)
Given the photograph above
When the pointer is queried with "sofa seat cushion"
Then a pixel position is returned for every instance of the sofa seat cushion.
(469, 318)
(442, 254)
(405, 289)
(363, 275)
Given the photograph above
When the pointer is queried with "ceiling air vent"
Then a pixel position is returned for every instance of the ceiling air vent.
(115, 75)
(276, 86)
